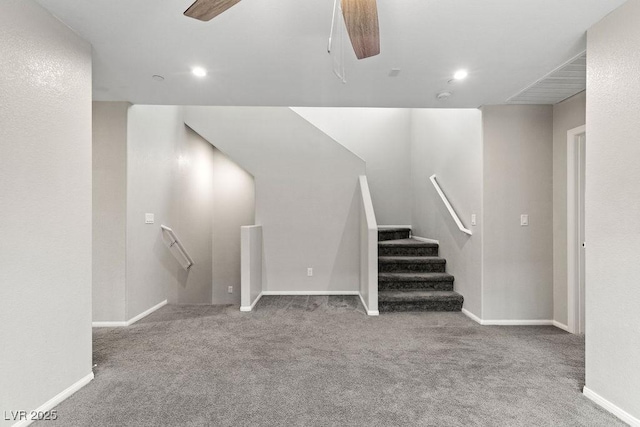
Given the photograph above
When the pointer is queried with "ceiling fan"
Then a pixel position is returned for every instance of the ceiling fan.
(360, 18)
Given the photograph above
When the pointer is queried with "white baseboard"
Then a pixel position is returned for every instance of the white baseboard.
(483, 322)
(130, 321)
(108, 324)
(249, 308)
(424, 239)
(146, 313)
(471, 316)
(615, 410)
(369, 312)
(394, 226)
(320, 293)
(561, 326)
(518, 322)
(57, 399)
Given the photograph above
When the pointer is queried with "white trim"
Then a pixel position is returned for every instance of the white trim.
(108, 324)
(394, 226)
(471, 316)
(424, 239)
(249, 308)
(146, 313)
(573, 291)
(452, 212)
(561, 326)
(614, 409)
(130, 321)
(58, 398)
(321, 293)
(518, 322)
(532, 322)
(369, 312)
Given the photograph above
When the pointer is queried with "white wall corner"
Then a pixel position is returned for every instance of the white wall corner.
(614, 409)
(146, 313)
(57, 399)
(247, 308)
(364, 304)
(561, 326)
(131, 321)
(472, 316)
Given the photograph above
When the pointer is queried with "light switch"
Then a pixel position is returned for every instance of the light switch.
(309, 271)
(149, 218)
(524, 220)
(473, 219)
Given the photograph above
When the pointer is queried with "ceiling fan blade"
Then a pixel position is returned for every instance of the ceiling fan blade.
(361, 19)
(206, 10)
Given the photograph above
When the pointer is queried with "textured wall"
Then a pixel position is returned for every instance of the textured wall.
(518, 167)
(567, 115)
(306, 198)
(109, 210)
(612, 209)
(233, 206)
(448, 143)
(381, 137)
(45, 213)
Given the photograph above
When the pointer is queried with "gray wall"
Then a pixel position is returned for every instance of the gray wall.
(305, 193)
(381, 137)
(612, 208)
(151, 168)
(234, 206)
(192, 206)
(170, 174)
(45, 218)
(448, 143)
(109, 210)
(567, 115)
(518, 167)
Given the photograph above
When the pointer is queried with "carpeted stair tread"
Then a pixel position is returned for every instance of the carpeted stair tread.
(398, 301)
(415, 277)
(393, 233)
(399, 296)
(399, 259)
(394, 229)
(407, 243)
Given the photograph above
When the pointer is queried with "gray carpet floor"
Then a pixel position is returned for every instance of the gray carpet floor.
(320, 361)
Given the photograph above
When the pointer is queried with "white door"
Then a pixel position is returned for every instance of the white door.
(576, 245)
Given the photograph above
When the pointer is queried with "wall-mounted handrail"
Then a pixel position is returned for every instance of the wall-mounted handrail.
(175, 242)
(453, 213)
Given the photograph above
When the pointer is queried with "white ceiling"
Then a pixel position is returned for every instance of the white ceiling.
(273, 52)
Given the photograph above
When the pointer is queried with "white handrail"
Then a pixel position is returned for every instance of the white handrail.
(178, 243)
(453, 213)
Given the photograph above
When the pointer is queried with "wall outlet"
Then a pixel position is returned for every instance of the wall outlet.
(524, 220)
(473, 219)
(309, 271)
(149, 218)
(230, 289)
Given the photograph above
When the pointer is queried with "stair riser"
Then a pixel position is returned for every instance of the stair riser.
(392, 235)
(415, 286)
(451, 305)
(407, 251)
(435, 267)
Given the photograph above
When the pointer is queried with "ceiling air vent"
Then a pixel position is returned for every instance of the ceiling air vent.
(560, 84)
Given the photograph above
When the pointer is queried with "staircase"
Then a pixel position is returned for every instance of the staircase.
(411, 275)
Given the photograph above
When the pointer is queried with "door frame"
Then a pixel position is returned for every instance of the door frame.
(573, 253)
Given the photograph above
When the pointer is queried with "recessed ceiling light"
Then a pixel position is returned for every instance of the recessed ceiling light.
(460, 75)
(199, 71)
